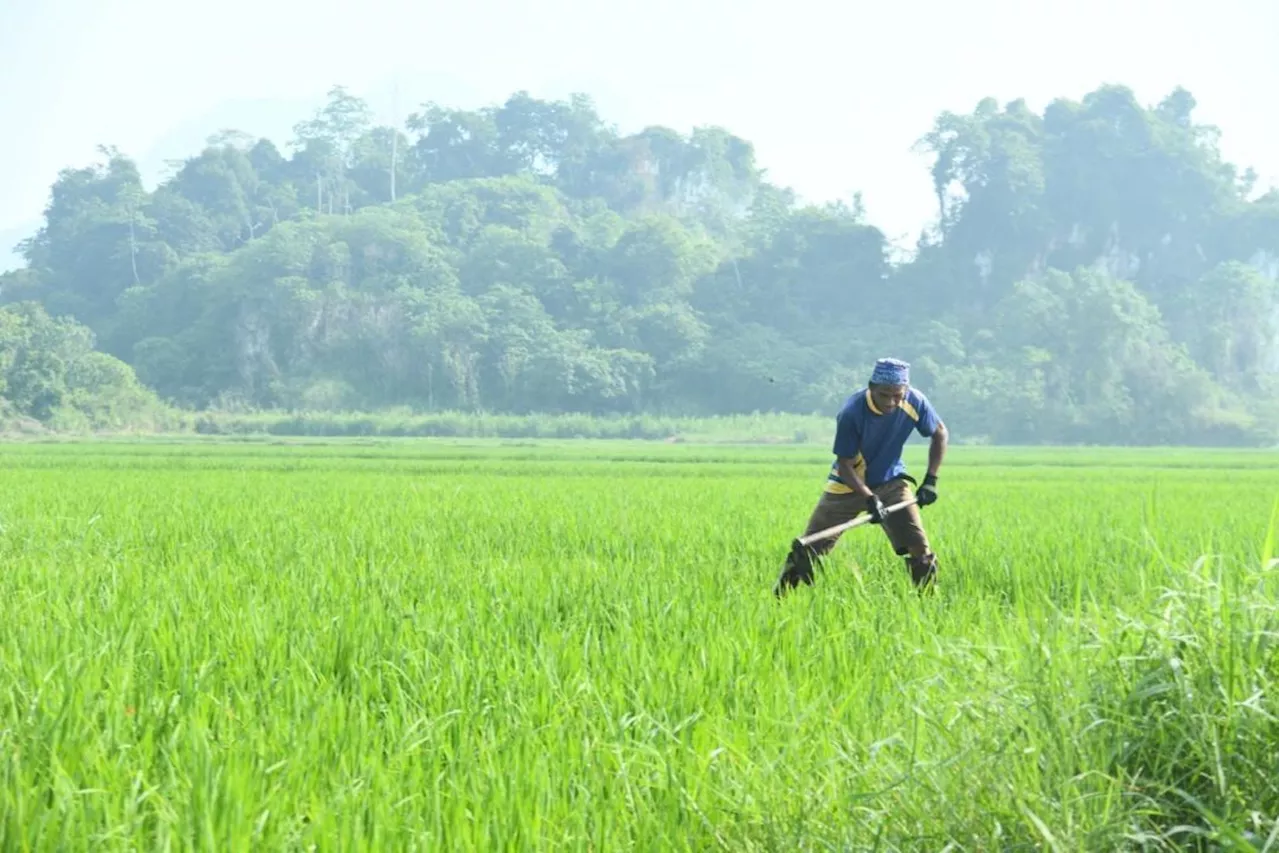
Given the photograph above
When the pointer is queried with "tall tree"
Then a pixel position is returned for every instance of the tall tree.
(326, 144)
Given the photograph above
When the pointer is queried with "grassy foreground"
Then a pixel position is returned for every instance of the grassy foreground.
(469, 645)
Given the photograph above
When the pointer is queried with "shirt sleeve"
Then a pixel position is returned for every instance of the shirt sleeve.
(848, 436)
(927, 425)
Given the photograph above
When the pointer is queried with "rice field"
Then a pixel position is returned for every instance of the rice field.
(452, 645)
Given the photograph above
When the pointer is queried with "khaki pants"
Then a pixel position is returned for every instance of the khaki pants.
(906, 533)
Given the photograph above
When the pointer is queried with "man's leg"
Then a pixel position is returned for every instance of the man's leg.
(831, 510)
(828, 512)
(907, 534)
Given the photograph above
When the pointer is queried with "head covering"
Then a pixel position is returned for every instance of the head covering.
(891, 371)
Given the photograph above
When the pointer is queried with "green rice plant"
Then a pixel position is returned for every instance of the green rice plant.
(425, 645)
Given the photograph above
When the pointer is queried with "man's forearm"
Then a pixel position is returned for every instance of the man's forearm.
(844, 467)
(937, 449)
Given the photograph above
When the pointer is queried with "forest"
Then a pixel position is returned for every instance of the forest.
(1097, 273)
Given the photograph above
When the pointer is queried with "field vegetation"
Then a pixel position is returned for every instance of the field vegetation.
(398, 644)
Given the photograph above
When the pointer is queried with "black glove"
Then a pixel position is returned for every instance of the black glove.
(928, 491)
(875, 507)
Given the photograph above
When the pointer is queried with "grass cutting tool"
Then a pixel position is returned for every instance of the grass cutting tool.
(798, 567)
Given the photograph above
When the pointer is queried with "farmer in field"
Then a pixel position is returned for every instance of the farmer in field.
(868, 474)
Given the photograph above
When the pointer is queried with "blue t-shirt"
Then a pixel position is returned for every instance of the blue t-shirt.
(874, 441)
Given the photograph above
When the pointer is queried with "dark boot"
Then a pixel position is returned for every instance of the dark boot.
(797, 569)
(924, 571)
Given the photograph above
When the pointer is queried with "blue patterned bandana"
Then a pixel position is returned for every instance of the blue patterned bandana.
(891, 371)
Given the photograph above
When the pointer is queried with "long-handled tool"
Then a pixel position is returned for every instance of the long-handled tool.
(798, 567)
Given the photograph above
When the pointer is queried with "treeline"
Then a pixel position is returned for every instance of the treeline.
(1098, 273)
(50, 374)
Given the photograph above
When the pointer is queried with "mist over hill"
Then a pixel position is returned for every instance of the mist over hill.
(1097, 272)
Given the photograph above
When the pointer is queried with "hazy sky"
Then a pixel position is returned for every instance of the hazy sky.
(832, 94)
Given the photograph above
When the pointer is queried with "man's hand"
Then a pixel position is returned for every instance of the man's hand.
(928, 491)
(875, 507)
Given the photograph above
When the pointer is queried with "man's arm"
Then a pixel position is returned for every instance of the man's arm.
(937, 448)
(847, 444)
(844, 467)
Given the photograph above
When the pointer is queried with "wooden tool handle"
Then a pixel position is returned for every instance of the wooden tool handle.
(848, 525)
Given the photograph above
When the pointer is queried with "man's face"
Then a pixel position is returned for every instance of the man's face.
(888, 397)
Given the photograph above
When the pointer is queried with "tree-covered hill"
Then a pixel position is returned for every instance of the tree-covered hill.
(1098, 273)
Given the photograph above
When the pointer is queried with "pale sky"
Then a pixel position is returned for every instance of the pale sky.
(832, 94)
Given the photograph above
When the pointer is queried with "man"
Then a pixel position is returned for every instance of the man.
(868, 473)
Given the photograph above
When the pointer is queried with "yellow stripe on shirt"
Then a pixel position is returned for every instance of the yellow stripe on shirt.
(835, 487)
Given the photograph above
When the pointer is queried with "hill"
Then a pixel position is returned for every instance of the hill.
(1098, 273)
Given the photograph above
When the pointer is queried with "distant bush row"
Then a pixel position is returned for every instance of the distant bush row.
(763, 428)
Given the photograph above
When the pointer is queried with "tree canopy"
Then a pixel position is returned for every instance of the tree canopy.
(51, 373)
(1098, 272)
